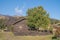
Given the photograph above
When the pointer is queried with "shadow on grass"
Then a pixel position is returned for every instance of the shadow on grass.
(55, 38)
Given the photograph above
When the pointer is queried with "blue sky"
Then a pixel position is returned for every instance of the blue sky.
(19, 7)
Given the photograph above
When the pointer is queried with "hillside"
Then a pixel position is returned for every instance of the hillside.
(54, 21)
(11, 19)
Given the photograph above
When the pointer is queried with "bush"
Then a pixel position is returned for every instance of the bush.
(54, 37)
(10, 28)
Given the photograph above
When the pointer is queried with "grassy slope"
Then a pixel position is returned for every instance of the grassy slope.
(10, 36)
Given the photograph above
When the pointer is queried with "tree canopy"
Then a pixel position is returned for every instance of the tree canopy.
(38, 17)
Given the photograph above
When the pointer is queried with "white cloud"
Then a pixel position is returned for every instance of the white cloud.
(19, 11)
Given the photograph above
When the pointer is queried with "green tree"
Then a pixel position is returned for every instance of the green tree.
(37, 17)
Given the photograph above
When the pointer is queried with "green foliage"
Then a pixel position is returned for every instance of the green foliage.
(37, 17)
(2, 26)
(51, 28)
(10, 28)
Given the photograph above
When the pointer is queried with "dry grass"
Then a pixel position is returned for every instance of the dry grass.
(10, 36)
